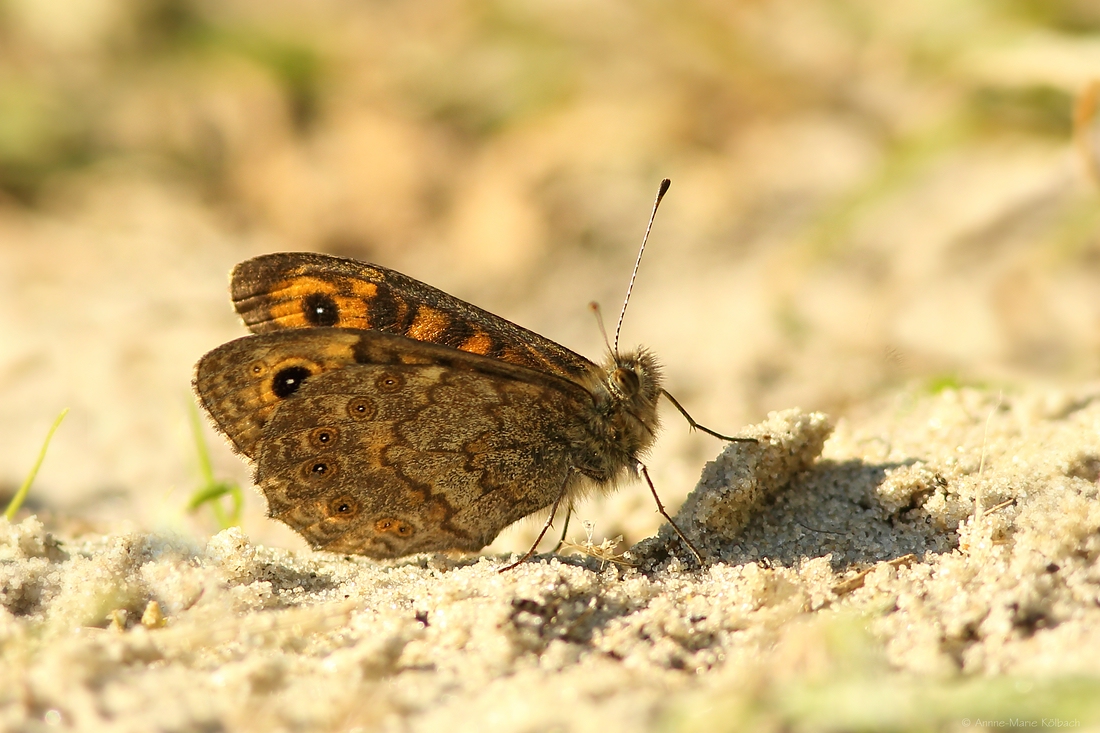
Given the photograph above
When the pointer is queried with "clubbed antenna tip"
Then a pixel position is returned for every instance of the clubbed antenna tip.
(661, 191)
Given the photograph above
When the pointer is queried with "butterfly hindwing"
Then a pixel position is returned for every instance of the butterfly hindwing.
(390, 459)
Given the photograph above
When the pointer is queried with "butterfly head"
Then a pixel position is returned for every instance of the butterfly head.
(633, 380)
(633, 386)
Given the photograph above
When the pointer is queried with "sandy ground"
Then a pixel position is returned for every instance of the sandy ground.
(945, 538)
(884, 215)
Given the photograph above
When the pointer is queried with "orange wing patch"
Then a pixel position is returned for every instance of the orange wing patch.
(429, 324)
(480, 343)
(395, 526)
(286, 300)
(306, 302)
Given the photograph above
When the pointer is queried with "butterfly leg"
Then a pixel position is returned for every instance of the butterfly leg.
(696, 426)
(564, 528)
(534, 546)
(661, 509)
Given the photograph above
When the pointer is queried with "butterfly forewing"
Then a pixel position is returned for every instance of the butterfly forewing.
(304, 290)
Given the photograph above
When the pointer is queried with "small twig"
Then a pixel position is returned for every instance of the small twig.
(821, 531)
(1002, 505)
(856, 582)
(604, 552)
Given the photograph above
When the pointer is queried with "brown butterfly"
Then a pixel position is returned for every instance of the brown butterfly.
(385, 417)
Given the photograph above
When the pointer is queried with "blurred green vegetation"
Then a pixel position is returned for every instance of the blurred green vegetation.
(473, 71)
(899, 148)
(212, 490)
(901, 171)
(831, 675)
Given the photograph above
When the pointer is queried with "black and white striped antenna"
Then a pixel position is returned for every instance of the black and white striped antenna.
(661, 191)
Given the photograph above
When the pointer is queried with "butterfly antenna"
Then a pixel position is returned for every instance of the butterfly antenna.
(598, 312)
(665, 183)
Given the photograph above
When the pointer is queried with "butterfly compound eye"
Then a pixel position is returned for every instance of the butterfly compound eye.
(626, 381)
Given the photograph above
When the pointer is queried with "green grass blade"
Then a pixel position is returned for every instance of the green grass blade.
(21, 495)
(205, 467)
(212, 490)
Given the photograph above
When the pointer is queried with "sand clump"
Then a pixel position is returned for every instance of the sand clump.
(952, 536)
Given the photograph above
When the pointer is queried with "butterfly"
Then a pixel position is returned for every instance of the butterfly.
(385, 417)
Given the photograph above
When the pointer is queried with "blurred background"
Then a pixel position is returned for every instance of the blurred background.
(866, 196)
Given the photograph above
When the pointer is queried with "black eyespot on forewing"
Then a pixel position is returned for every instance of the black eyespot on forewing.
(288, 381)
(320, 309)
